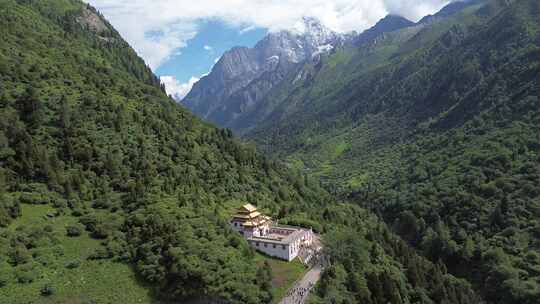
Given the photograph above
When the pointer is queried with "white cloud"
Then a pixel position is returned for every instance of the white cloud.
(176, 89)
(208, 48)
(247, 29)
(157, 29)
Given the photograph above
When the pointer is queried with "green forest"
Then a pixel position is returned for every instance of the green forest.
(434, 130)
(87, 130)
(417, 159)
(110, 192)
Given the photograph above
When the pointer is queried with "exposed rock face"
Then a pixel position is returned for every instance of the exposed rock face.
(243, 76)
(234, 94)
(90, 19)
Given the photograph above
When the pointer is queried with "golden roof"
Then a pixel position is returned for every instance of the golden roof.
(249, 216)
(255, 222)
(252, 215)
(249, 208)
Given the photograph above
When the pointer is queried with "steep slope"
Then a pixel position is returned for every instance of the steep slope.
(242, 76)
(111, 192)
(388, 24)
(449, 10)
(439, 138)
(87, 134)
(350, 91)
(235, 94)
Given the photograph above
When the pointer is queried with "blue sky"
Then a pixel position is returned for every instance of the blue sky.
(212, 40)
(181, 39)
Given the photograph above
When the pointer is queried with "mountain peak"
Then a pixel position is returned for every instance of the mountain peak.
(393, 22)
(243, 76)
(311, 26)
(387, 24)
(448, 10)
(310, 36)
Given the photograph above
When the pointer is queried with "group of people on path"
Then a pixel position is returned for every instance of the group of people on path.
(299, 294)
(316, 261)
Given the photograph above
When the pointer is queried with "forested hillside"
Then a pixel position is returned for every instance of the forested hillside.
(87, 130)
(110, 192)
(435, 128)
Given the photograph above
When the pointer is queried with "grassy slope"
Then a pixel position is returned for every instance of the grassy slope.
(284, 274)
(98, 280)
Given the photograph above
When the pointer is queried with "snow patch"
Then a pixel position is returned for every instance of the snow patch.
(322, 49)
(298, 77)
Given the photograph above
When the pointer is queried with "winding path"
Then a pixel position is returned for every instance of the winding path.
(299, 293)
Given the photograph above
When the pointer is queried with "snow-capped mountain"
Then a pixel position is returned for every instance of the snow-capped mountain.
(240, 90)
(243, 75)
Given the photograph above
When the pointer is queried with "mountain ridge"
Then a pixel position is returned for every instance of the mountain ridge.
(276, 53)
(390, 23)
(426, 135)
(231, 101)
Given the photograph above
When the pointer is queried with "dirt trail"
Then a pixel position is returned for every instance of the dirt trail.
(299, 293)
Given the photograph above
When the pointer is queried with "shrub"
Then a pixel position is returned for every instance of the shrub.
(89, 221)
(25, 274)
(59, 203)
(73, 264)
(73, 230)
(5, 273)
(20, 255)
(44, 256)
(33, 199)
(101, 204)
(100, 254)
(9, 209)
(47, 290)
(102, 231)
(77, 212)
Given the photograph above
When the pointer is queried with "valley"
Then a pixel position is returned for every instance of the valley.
(415, 121)
(411, 148)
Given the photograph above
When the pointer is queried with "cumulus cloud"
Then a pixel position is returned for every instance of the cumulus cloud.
(177, 89)
(157, 29)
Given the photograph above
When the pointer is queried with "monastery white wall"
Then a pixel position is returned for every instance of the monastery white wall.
(250, 232)
(281, 251)
(286, 251)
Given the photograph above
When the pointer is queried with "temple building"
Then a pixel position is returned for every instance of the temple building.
(250, 222)
(284, 242)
